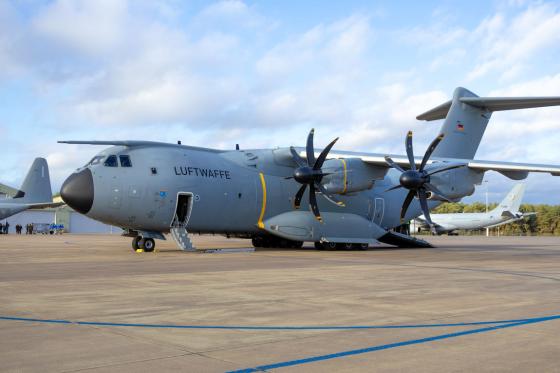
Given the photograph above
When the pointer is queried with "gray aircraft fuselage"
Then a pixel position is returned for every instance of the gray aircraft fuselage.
(227, 189)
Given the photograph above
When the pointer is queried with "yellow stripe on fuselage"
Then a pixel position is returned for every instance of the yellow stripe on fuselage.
(260, 223)
(345, 180)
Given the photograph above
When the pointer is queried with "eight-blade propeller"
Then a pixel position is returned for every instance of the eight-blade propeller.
(417, 181)
(309, 173)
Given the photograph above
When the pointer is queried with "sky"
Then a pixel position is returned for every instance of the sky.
(262, 73)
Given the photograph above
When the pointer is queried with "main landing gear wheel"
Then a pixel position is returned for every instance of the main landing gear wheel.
(148, 244)
(326, 245)
(145, 244)
(340, 246)
(135, 243)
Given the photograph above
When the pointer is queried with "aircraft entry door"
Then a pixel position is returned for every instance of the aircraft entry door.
(183, 210)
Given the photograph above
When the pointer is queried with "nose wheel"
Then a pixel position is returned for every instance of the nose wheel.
(143, 244)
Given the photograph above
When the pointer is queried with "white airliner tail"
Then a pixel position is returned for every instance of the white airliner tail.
(510, 205)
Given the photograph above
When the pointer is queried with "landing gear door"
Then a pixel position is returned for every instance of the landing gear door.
(183, 209)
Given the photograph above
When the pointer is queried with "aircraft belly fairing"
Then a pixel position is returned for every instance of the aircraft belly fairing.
(338, 227)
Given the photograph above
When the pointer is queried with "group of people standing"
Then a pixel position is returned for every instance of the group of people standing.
(4, 228)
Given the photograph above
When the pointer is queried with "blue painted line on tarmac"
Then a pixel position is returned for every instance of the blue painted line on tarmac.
(241, 327)
(394, 345)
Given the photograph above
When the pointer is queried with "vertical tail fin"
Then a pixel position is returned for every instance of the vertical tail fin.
(467, 115)
(512, 202)
(36, 187)
(463, 127)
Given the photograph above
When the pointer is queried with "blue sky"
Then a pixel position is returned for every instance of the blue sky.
(262, 73)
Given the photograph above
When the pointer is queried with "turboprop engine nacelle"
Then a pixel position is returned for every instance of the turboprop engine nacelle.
(455, 184)
(350, 175)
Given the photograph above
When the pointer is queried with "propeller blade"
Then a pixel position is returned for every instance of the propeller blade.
(446, 169)
(393, 188)
(328, 196)
(299, 196)
(299, 160)
(432, 188)
(309, 149)
(409, 150)
(406, 203)
(424, 205)
(323, 155)
(313, 203)
(392, 163)
(430, 150)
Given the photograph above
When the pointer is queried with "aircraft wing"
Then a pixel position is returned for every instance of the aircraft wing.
(8, 190)
(135, 143)
(39, 206)
(512, 170)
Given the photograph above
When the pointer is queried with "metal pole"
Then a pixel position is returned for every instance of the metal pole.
(487, 229)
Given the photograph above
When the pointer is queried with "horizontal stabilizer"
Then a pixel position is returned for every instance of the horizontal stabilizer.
(507, 103)
(491, 104)
(439, 112)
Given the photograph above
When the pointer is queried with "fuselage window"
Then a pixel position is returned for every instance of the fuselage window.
(125, 161)
(111, 161)
(95, 160)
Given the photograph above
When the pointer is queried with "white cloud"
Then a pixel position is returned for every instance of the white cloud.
(90, 27)
(507, 45)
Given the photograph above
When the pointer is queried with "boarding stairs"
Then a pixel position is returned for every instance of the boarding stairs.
(181, 237)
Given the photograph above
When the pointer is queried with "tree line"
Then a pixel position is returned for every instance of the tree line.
(545, 222)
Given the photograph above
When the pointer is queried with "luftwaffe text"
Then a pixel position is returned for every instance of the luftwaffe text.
(202, 172)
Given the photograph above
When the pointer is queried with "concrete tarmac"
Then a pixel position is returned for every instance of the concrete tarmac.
(91, 278)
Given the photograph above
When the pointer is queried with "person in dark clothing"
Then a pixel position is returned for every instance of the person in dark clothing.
(6, 227)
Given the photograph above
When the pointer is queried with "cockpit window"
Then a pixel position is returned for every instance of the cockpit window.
(95, 160)
(125, 161)
(111, 161)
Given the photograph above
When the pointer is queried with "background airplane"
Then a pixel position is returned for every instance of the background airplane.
(35, 192)
(506, 212)
(151, 188)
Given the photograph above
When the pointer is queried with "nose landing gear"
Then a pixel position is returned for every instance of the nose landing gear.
(141, 244)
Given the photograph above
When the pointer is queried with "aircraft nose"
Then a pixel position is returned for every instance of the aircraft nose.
(77, 191)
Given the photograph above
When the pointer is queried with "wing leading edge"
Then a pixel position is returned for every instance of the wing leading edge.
(513, 170)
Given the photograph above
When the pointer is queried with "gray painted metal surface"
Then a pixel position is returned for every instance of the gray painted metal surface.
(35, 192)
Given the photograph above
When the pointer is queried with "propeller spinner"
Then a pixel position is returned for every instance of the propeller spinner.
(309, 174)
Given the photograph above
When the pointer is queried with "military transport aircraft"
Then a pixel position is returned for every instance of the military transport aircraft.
(506, 212)
(150, 188)
(35, 192)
